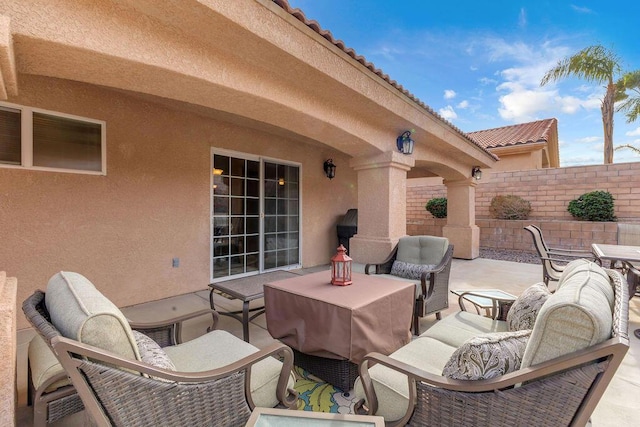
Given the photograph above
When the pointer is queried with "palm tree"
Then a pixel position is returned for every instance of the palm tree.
(630, 104)
(595, 64)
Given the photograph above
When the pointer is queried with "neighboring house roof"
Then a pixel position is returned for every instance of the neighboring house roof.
(315, 26)
(524, 133)
(533, 134)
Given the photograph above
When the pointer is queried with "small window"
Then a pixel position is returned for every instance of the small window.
(37, 139)
(63, 143)
(10, 130)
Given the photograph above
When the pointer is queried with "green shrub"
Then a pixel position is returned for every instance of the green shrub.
(437, 207)
(509, 207)
(593, 206)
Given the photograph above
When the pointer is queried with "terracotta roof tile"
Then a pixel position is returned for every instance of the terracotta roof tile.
(315, 26)
(525, 133)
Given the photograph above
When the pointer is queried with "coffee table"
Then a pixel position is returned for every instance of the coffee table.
(336, 326)
(246, 289)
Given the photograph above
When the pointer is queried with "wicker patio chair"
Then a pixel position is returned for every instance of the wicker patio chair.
(122, 391)
(432, 290)
(553, 259)
(562, 391)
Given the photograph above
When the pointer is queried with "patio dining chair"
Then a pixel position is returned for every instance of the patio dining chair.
(143, 375)
(553, 259)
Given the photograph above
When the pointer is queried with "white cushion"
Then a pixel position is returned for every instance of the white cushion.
(44, 365)
(487, 356)
(422, 249)
(219, 348)
(80, 312)
(578, 315)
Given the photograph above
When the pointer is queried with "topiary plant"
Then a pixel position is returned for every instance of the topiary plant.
(437, 207)
(593, 206)
(509, 207)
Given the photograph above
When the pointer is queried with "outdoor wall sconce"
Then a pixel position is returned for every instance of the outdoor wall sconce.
(476, 173)
(405, 143)
(329, 169)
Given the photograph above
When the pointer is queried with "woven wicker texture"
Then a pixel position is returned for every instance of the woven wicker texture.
(340, 373)
(154, 403)
(549, 402)
(55, 407)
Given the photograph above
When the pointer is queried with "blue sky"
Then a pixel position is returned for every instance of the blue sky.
(479, 63)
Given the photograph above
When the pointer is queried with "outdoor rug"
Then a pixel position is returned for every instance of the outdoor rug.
(319, 396)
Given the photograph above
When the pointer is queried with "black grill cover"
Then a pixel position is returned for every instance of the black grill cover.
(347, 227)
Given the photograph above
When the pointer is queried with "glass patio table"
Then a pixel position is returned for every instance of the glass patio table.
(490, 300)
(273, 417)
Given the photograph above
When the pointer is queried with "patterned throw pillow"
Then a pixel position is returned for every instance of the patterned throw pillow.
(487, 356)
(408, 270)
(523, 312)
(151, 353)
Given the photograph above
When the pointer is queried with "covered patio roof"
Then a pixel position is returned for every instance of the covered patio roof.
(259, 63)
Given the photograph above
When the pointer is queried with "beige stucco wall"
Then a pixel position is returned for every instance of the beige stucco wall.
(518, 161)
(8, 308)
(123, 229)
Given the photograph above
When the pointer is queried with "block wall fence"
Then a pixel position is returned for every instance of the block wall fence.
(549, 191)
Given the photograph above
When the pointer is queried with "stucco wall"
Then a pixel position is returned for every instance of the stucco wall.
(122, 230)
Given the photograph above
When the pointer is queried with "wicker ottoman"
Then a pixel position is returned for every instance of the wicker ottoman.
(339, 373)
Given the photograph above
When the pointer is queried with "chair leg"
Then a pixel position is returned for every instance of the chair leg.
(438, 316)
(416, 324)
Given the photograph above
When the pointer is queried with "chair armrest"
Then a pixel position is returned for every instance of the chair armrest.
(446, 260)
(568, 253)
(385, 266)
(171, 328)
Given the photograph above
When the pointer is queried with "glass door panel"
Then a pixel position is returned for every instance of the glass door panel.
(245, 238)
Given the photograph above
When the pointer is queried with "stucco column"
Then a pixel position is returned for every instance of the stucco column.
(382, 205)
(461, 228)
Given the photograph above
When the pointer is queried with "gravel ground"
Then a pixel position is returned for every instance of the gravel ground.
(510, 255)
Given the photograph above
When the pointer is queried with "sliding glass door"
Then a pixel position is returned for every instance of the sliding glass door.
(255, 215)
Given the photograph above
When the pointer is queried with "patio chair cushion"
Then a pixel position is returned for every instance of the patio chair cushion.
(44, 365)
(151, 353)
(524, 310)
(430, 352)
(219, 348)
(578, 315)
(487, 356)
(408, 270)
(80, 312)
(422, 249)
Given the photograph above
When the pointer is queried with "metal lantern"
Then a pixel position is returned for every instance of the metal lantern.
(341, 268)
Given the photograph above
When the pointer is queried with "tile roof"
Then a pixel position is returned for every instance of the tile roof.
(525, 133)
(315, 26)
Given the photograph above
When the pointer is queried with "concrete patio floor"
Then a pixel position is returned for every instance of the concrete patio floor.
(617, 408)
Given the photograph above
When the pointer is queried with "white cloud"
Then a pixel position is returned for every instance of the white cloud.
(589, 139)
(633, 132)
(472, 68)
(487, 81)
(522, 18)
(582, 9)
(523, 105)
(448, 113)
(464, 104)
(449, 94)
